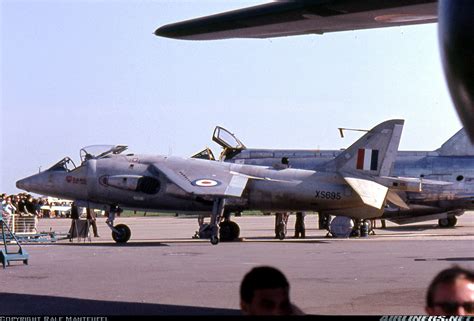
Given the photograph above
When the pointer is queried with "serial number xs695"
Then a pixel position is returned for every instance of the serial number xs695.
(326, 195)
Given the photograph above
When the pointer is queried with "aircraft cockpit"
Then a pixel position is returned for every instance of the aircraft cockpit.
(231, 145)
(66, 164)
(228, 141)
(100, 151)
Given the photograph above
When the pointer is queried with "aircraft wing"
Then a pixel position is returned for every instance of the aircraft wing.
(372, 194)
(409, 184)
(204, 178)
(297, 17)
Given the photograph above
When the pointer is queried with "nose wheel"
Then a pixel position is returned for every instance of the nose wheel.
(121, 233)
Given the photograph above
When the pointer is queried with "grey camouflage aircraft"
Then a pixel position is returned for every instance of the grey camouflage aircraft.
(282, 18)
(356, 183)
(453, 162)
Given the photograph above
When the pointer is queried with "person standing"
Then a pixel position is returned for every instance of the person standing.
(299, 225)
(281, 221)
(73, 230)
(91, 220)
(8, 210)
(31, 215)
(324, 221)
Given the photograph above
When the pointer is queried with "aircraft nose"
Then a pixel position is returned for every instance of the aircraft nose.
(23, 184)
(29, 183)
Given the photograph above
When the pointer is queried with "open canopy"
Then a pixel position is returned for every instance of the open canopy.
(100, 151)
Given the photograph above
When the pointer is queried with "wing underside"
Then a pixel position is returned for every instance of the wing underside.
(298, 17)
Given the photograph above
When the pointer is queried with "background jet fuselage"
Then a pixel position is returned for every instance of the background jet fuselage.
(457, 169)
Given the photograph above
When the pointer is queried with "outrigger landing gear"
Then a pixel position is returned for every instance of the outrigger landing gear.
(228, 230)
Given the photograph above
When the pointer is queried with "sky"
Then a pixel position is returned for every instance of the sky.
(79, 73)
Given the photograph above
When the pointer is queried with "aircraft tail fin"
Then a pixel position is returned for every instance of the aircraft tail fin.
(458, 145)
(374, 153)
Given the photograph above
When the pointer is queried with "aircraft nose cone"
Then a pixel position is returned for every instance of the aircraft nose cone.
(23, 184)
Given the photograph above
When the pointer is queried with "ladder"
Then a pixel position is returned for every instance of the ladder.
(5, 254)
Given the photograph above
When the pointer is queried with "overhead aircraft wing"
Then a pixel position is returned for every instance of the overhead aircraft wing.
(298, 17)
(201, 177)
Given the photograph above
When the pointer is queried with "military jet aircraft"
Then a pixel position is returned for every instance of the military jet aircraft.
(298, 17)
(452, 162)
(356, 183)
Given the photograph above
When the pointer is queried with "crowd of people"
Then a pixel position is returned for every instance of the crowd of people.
(24, 204)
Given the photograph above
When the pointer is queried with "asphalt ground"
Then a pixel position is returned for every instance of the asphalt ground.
(163, 271)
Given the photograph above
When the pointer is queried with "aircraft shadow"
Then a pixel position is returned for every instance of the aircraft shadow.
(28, 304)
(408, 228)
(105, 244)
(269, 239)
(255, 239)
(449, 259)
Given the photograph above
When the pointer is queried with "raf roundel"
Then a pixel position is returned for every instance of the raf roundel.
(205, 182)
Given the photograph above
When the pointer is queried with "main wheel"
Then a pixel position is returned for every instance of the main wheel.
(452, 220)
(123, 233)
(445, 222)
(228, 231)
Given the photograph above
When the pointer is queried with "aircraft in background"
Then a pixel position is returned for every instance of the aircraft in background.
(356, 183)
(453, 162)
(298, 17)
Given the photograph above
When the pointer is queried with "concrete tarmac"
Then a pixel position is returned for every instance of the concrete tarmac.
(163, 271)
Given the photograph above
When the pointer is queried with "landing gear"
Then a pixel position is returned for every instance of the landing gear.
(121, 233)
(214, 240)
(228, 231)
(217, 213)
(225, 231)
(448, 222)
(356, 228)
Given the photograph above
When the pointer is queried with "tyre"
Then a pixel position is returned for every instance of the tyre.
(443, 222)
(452, 220)
(214, 240)
(228, 231)
(123, 233)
